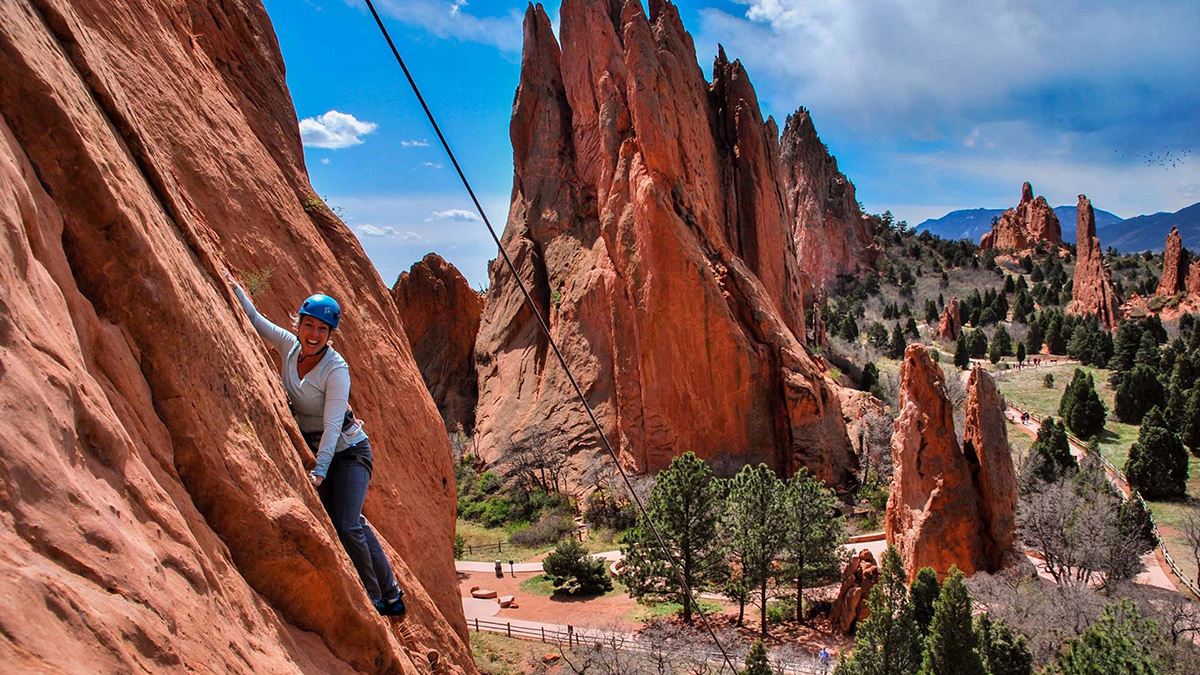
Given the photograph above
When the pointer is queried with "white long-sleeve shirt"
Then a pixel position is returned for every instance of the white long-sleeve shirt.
(319, 399)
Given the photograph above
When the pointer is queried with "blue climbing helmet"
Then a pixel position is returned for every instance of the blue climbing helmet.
(323, 308)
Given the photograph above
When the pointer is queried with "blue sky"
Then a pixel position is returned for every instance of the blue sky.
(929, 106)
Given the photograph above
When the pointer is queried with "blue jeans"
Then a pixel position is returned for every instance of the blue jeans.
(342, 493)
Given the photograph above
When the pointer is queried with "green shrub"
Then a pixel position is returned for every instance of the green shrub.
(574, 572)
(549, 530)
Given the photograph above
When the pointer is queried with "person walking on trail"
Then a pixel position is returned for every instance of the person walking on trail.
(317, 381)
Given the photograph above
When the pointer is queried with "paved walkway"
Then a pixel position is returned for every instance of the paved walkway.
(474, 566)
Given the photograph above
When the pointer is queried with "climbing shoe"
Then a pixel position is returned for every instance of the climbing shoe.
(391, 607)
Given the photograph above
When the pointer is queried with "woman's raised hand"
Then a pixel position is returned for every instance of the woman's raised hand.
(229, 280)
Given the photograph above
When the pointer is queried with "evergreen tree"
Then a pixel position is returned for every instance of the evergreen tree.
(910, 328)
(1148, 353)
(1121, 642)
(897, 344)
(951, 648)
(1050, 455)
(931, 312)
(1001, 344)
(977, 344)
(1190, 434)
(870, 376)
(1081, 408)
(1021, 351)
(1035, 338)
(849, 330)
(1158, 462)
(1125, 347)
(685, 504)
(888, 641)
(756, 660)
(756, 508)
(1138, 391)
(1055, 341)
(574, 572)
(812, 535)
(924, 595)
(962, 358)
(877, 335)
(1002, 651)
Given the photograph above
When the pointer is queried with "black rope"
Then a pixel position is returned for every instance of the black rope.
(553, 345)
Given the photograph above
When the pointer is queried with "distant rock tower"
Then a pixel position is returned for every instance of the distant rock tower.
(1092, 293)
(1024, 227)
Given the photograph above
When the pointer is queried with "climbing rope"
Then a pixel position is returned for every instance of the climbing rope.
(553, 345)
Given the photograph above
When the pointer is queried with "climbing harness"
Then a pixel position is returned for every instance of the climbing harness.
(553, 345)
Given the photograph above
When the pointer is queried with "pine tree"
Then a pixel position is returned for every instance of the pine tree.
(755, 510)
(1120, 641)
(1125, 347)
(897, 344)
(685, 504)
(756, 660)
(1190, 433)
(1158, 462)
(924, 594)
(888, 641)
(1055, 341)
(574, 572)
(1050, 454)
(1001, 344)
(1021, 351)
(977, 343)
(812, 535)
(1036, 337)
(951, 647)
(962, 358)
(1081, 408)
(910, 328)
(1139, 390)
(1002, 651)
(849, 330)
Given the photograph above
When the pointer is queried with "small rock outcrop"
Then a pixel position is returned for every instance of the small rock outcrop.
(950, 505)
(820, 335)
(1092, 294)
(1193, 281)
(950, 325)
(1175, 266)
(1030, 223)
(440, 312)
(648, 220)
(851, 605)
(832, 235)
(157, 513)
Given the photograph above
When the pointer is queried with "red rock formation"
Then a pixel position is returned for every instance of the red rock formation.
(441, 313)
(820, 336)
(1024, 227)
(1093, 293)
(648, 219)
(950, 325)
(949, 505)
(157, 513)
(851, 605)
(832, 235)
(1175, 266)
(1193, 281)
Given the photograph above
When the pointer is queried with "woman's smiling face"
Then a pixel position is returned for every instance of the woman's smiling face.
(313, 334)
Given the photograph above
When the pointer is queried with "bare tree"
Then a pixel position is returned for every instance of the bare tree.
(1191, 533)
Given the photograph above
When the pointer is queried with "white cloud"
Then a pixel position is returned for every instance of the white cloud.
(324, 160)
(386, 231)
(460, 215)
(431, 165)
(414, 143)
(450, 19)
(334, 130)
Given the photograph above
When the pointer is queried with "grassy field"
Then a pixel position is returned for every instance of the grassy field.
(1026, 389)
(475, 534)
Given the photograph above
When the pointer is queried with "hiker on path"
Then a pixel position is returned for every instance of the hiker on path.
(317, 382)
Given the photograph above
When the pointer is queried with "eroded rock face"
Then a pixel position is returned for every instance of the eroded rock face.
(440, 312)
(1092, 294)
(1024, 227)
(1193, 280)
(1175, 266)
(949, 505)
(832, 235)
(851, 605)
(648, 218)
(950, 325)
(152, 484)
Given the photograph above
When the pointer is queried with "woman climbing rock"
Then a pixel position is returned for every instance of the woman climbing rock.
(317, 381)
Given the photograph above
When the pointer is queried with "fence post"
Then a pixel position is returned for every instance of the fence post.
(543, 633)
(499, 547)
(477, 625)
(509, 625)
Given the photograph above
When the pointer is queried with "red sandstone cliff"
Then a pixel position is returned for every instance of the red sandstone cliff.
(950, 325)
(949, 504)
(832, 235)
(648, 218)
(157, 515)
(1092, 293)
(441, 313)
(1030, 223)
(1175, 266)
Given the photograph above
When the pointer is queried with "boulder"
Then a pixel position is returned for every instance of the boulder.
(440, 312)
(851, 605)
(1092, 294)
(1030, 223)
(157, 513)
(950, 325)
(648, 220)
(1175, 266)
(949, 505)
(832, 235)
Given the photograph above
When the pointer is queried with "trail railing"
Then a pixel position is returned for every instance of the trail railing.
(1119, 477)
(627, 642)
